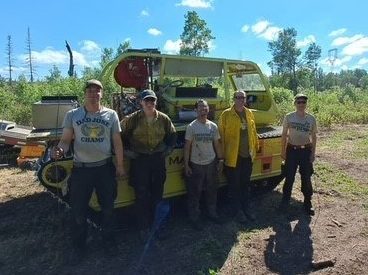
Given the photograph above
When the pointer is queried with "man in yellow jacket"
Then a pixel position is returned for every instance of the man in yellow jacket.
(240, 144)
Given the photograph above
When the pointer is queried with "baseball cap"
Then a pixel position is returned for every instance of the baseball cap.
(93, 82)
(301, 96)
(148, 93)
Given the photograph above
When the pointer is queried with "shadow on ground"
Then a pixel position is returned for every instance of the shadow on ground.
(34, 239)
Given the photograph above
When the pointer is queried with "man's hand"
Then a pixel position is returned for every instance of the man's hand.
(57, 153)
(283, 155)
(220, 166)
(120, 171)
(188, 171)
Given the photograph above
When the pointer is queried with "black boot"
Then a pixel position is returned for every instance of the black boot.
(308, 207)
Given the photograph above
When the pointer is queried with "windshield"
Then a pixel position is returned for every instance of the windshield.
(249, 82)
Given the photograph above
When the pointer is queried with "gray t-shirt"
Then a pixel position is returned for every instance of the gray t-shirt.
(299, 128)
(202, 136)
(92, 133)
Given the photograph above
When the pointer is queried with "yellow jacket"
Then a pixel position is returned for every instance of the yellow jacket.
(229, 127)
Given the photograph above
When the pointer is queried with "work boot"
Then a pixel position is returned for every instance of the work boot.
(308, 207)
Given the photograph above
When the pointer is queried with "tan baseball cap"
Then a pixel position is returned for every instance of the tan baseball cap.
(93, 82)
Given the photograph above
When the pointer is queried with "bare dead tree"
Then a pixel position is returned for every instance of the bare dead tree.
(29, 60)
(9, 54)
(71, 64)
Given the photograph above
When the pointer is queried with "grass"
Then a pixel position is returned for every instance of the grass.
(352, 142)
(334, 179)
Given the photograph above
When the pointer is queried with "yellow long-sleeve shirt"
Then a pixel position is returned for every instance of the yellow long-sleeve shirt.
(229, 127)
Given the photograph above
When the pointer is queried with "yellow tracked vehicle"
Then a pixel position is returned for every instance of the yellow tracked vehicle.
(179, 81)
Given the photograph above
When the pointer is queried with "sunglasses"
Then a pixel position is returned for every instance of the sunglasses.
(239, 97)
(149, 99)
(301, 102)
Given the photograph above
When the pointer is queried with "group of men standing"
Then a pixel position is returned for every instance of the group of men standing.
(149, 136)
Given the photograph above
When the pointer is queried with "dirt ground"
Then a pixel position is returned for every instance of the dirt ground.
(34, 227)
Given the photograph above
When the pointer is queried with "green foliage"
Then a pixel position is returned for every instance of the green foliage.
(284, 99)
(335, 106)
(195, 36)
(311, 56)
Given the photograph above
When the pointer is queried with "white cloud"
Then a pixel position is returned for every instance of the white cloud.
(338, 62)
(211, 45)
(55, 57)
(337, 32)
(172, 47)
(144, 13)
(363, 61)
(196, 4)
(306, 41)
(260, 26)
(357, 47)
(48, 56)
(346, 40)
(271, 33)
(90, 46)
(154, 31)
(266, 30)
(79, 59)
(245, 28)
(16, 71)
(94, 63)
(128, 39)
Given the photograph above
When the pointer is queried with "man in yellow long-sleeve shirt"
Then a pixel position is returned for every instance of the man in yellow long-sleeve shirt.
(240, 144)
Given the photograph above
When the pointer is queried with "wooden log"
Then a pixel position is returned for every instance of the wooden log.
(322, 264)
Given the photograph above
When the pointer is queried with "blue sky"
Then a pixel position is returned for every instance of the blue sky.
(242, 29)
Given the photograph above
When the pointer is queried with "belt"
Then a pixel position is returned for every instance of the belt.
(92, 164)
(295, 147)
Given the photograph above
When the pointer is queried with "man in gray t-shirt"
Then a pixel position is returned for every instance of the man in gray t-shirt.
(298, 149)
(94, 130)
(200, 150)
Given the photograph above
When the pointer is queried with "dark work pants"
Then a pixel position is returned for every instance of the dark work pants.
(147, 177)
(295, 158)
(203, 178)
(239, 183)
(83, 182)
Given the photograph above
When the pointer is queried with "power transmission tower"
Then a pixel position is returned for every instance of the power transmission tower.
(29, 50)
(332, 56)
(9, 53)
